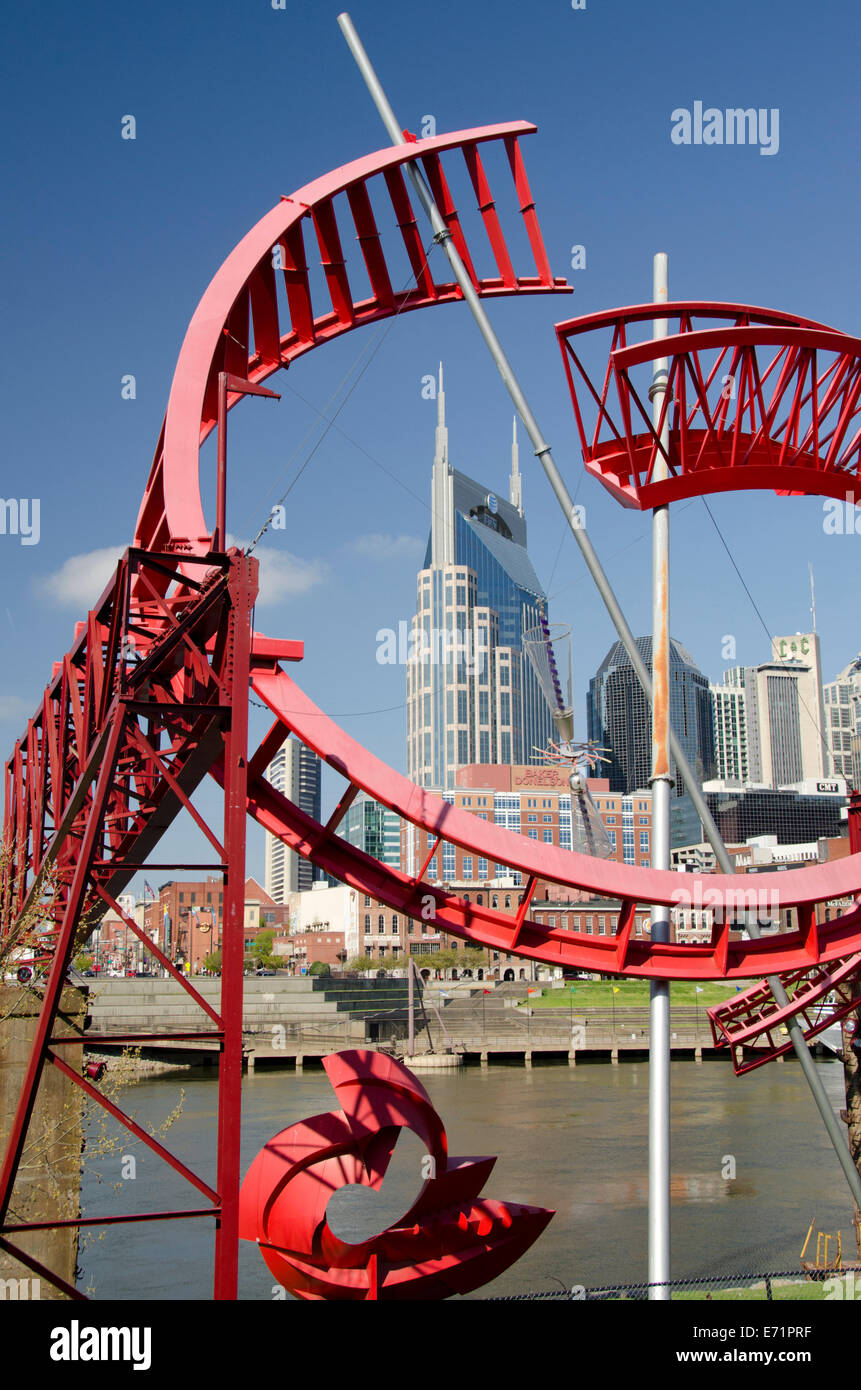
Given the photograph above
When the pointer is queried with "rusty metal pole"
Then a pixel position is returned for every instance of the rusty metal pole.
(661, 782)
(243, 594)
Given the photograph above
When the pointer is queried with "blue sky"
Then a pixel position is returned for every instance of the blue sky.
(110, 243)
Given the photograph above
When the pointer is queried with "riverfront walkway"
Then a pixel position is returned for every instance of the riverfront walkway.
(296, 1022)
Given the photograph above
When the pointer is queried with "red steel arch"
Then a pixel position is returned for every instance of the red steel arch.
(239, 328)
(235, 329)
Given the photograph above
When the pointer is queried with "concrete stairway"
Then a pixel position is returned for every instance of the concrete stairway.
(151, 1005)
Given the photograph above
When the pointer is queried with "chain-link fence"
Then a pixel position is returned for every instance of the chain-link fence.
(742, 1286)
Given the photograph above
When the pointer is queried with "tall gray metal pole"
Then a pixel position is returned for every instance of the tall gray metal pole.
(602, 583)
(661, 783)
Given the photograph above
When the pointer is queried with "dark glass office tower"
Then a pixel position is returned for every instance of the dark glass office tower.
(620, 718)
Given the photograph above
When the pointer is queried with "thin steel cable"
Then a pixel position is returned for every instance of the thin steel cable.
(812, 717)
(370, 351)
(344, 714)
(361, 448)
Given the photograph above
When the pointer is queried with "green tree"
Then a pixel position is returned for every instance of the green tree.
(471, 959)
(213, 961)
(262, 949)
(360, 963)
(320, 967)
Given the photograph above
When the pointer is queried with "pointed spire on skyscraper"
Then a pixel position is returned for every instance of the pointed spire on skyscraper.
(442, 500)
(812, 596)
(515, 493)
(441, 451)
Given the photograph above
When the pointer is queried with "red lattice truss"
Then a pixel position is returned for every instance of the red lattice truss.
(753, 1024)
(756, 399)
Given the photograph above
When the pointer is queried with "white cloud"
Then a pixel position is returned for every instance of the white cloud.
(15, 707)
(80, 580)
(282, 575)
(379, 546)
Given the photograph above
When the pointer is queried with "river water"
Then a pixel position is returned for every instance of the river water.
(573, 1139)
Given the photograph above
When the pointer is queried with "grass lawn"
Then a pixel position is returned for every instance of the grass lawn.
(782, 1291)
(584, 994)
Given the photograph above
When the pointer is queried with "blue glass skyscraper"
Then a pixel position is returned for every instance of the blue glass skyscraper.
(471, 693)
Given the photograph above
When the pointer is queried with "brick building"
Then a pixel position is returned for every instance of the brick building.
(186, 918)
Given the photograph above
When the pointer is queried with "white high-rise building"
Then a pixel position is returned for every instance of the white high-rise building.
(295, 772)
(732, 747)
(770, 727)
(842, 699)
(741, 681)
(800, 654)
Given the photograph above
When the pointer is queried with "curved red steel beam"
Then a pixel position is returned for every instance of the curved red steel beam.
(800, 889)
(241, 301)
(684, 308)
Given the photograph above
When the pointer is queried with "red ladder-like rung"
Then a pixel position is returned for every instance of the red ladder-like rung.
(754, 1026)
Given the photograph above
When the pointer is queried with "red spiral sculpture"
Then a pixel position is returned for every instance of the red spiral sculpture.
(450, 1241)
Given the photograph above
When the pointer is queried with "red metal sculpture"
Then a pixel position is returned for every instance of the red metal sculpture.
(153, 693)
(753, 1024)
(449, 1241)
(755, 399)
